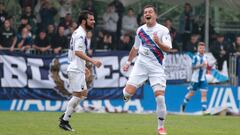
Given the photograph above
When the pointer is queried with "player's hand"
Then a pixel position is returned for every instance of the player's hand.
(205, 64)
(155, 38)
(126, 66)
(97, 63)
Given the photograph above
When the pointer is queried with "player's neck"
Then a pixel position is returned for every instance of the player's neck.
(84, 27)
(151, 24)
(201, 54)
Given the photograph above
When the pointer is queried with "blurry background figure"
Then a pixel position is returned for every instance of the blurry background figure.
(221, 50)
(41, 42)
(185, 23)
(192, 44)
(67, 24)
(88, 5)
(89, 43)
(28, 3)
(236, 44)
(168, 23)
(59, 41)
(119, 8)
(126, 42)
(129, 23)
(110, 19)
(65, 9)
(3, 13)
(23, 23)
(32, 20)
(24, 40)
(7, 35)
(51, 32)
(47, 13)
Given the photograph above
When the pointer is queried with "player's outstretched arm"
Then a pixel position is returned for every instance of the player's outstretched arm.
(85, 57)
(131, 56)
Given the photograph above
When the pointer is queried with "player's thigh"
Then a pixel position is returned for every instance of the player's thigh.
(77, 81)
(193, 86)
(158, 83)
(203, 86)
(138, 76)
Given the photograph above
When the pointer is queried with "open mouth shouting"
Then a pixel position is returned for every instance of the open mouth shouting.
(148, 17)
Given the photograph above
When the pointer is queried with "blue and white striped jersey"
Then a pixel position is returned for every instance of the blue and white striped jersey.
(199, 74)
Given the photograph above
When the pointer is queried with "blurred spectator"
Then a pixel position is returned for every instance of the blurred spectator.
(129, 23)
(32, 21)
(47, 14)
(197, 26)
(89, 43)
(236, 44)
(221, 50)
(88, 5)
(59, 41)
(51, 32)
(212, 32)
(140, 19)
(192, 45)
(119, 8)
(70, 30)
(126, 42)
(41, 42)
(65, 8)
(7, 35)
(24, 40)
(186, 20)
(25, 3)
(67, 24)
(3, 14)
(23, 23)
(168, 24)
(110, 18)
(103, 41)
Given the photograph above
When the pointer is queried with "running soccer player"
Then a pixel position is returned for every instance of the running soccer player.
(152, 41)
(198, 81)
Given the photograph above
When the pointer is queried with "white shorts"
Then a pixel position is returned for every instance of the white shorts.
(142, 72)
(77, 82)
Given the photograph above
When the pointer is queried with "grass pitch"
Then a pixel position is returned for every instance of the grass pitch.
(46, 123)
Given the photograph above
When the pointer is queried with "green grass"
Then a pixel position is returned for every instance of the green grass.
(46, 123)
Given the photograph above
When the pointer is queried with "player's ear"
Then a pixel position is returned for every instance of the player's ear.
(84, 21)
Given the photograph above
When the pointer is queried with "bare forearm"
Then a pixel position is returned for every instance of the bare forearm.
(164, 47)
(132, 54)
(197, 66)
(84, 56)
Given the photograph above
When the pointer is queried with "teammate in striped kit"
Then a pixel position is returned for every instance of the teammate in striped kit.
(152, 41)
(198, 81)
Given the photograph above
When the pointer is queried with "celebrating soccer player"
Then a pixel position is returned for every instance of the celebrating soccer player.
(76, 70)
(152, 41)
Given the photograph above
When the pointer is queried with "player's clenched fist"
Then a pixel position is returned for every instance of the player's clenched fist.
(155, 38)
(97, 63)
(126, 66)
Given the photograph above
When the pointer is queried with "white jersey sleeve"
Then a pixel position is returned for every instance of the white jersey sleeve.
(79, 44)
(137, 41)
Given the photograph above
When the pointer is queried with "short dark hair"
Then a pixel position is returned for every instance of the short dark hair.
(150, 6)
(201, 44)
(83, 16)
(168, 19)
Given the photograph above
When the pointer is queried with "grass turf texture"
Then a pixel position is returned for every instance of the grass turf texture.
(46, 123)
